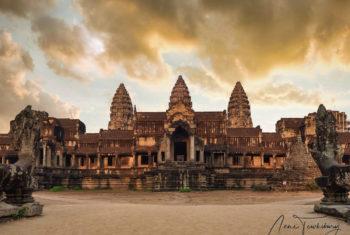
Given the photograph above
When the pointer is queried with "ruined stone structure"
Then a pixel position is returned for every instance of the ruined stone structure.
(17, 180)
(177, 148)
(335, 178)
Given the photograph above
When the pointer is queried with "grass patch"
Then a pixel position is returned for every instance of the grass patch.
(185, 190)
(77, 188)
(57, 188)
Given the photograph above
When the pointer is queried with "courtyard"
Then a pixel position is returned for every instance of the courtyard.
(210, 212)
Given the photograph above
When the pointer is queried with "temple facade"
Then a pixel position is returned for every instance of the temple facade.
(179, 147)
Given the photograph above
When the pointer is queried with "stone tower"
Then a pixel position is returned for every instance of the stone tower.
(180, 105)
(239, 109)
(121, 117)
(180, 93)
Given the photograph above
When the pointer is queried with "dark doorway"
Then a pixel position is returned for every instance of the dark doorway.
(180, 151)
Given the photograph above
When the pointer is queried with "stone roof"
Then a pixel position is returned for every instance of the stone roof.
(180, 93)
(243, 132)
(271, 137)
(89, 138)
(5, 139)
(116, 134)
(239, 109)
(292, 123)
(343, 137)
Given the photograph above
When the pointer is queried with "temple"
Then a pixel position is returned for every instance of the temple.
(179, 148)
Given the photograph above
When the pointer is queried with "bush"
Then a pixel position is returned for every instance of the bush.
(77, 188)
(57, 188)
(185, 190)
(261, 187)
(311, 186)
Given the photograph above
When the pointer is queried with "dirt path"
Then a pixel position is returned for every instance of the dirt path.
(219, 212)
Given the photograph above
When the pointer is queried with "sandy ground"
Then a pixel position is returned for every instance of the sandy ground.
(217, 212)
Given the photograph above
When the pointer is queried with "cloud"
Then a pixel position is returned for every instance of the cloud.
(284, 94)
(25, 8)
(17, 91)
(64, 46)
(199, 77)
(240, 39)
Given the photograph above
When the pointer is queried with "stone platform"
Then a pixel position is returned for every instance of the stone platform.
(8, 211)
(339, 210)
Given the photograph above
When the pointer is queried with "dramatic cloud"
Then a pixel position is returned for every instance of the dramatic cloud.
(17, 91)
(65, 46)
(240, 39)
(199, 77)
(25, 8)
(284, 94)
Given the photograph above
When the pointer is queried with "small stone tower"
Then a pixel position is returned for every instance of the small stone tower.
(239, 109)
(121, 117)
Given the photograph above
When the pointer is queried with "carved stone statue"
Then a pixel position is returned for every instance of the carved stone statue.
(335, 179)
(16, 180)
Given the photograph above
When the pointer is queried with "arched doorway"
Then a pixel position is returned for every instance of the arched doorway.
(180, 139)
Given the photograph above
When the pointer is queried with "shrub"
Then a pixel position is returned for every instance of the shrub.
(311, 186)
(57, 188)
(261, 187)
(185, 190)
(77, 188)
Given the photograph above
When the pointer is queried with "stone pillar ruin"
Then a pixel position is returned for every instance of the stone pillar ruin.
(192, 150)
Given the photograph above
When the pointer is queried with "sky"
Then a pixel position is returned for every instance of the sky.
(68, 57)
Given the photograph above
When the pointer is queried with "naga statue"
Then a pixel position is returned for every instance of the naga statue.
(16, 180)
(335, 179)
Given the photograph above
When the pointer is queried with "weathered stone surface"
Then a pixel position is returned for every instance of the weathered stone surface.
(239, 109)
(7, 210)
(342, 211)
(335, 179)
(121, 116)
(32, 209)
(16, 180)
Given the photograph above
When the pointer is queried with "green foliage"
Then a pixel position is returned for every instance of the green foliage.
(57, 188)
(311, 186)
(77, 188)
(20, 213)
(261, 187)
(185, 190)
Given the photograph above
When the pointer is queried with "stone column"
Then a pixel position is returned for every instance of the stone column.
(274, 161)
(74, 163)
(44, 154)
(262, 160)
(150, 159)
(98, 161)
(88, 162)
(2, 159)
(201, 157)
(168, 149)
(192, 150)
(61, 160)
(105, 162)
(49, 157)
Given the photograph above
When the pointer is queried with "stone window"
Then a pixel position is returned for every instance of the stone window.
(82, 161)
(110, 161)
(235, 160)
(267, 159)
(144, 159)
(198, 156)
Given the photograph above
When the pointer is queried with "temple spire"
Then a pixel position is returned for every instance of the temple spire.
(239, 109)
(180, 93)
(121, 116)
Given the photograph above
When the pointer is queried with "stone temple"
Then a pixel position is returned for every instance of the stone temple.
(179, 148)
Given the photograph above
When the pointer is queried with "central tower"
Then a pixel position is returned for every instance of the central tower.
(179, 125)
